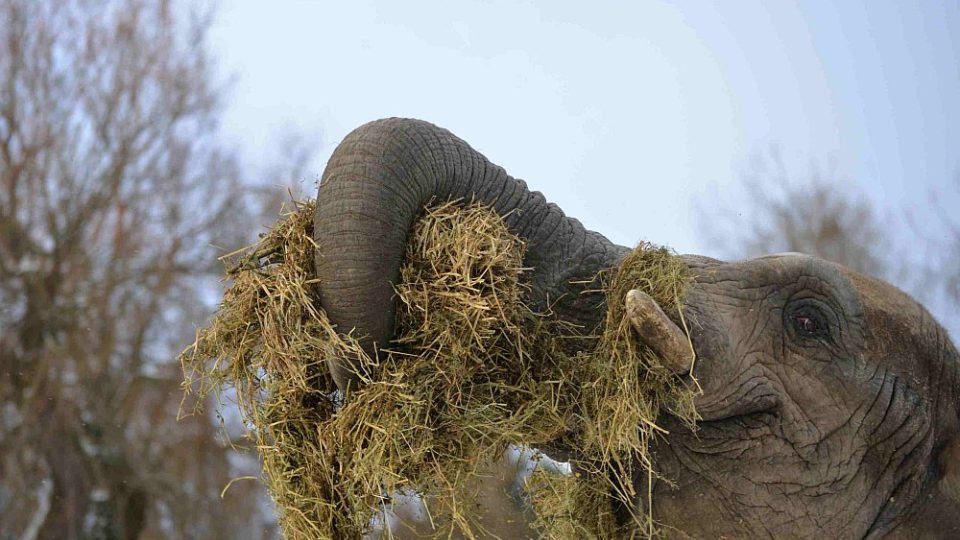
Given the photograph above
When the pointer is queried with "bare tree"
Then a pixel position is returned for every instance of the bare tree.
(114, 192)
(939, 282)
(810, 214)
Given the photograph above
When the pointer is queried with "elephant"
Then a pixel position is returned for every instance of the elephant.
(829, 402)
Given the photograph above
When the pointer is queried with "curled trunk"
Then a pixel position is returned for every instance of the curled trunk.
(375, 185)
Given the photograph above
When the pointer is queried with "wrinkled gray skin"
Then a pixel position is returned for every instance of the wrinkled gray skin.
(830, 404)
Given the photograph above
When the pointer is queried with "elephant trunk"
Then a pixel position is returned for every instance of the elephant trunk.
(377, 182)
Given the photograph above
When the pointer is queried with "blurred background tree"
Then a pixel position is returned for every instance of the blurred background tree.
(115, 200)
(809, 213)
(939, 279)
(117, 195)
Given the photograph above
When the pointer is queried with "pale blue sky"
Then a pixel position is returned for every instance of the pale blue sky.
(620, 112)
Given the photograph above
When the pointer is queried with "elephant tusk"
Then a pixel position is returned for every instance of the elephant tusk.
(659, 333)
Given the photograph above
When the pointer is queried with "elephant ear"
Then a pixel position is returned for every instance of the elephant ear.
(949, 465)
(948, 458)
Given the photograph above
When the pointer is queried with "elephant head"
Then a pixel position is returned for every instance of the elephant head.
(830, 399)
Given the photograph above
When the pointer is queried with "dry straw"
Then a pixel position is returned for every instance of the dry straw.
(472, 371)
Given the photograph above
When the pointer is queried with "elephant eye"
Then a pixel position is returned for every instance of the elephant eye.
(808, 321)
(807, 325)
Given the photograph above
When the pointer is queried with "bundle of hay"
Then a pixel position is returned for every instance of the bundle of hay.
(472, 371)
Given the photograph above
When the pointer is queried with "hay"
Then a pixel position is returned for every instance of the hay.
(472, 371)
(567, 506)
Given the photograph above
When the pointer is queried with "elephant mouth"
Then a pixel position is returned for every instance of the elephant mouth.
(753, 405)
(746, 420)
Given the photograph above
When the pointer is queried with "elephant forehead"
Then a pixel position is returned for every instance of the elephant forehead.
(783, 273)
